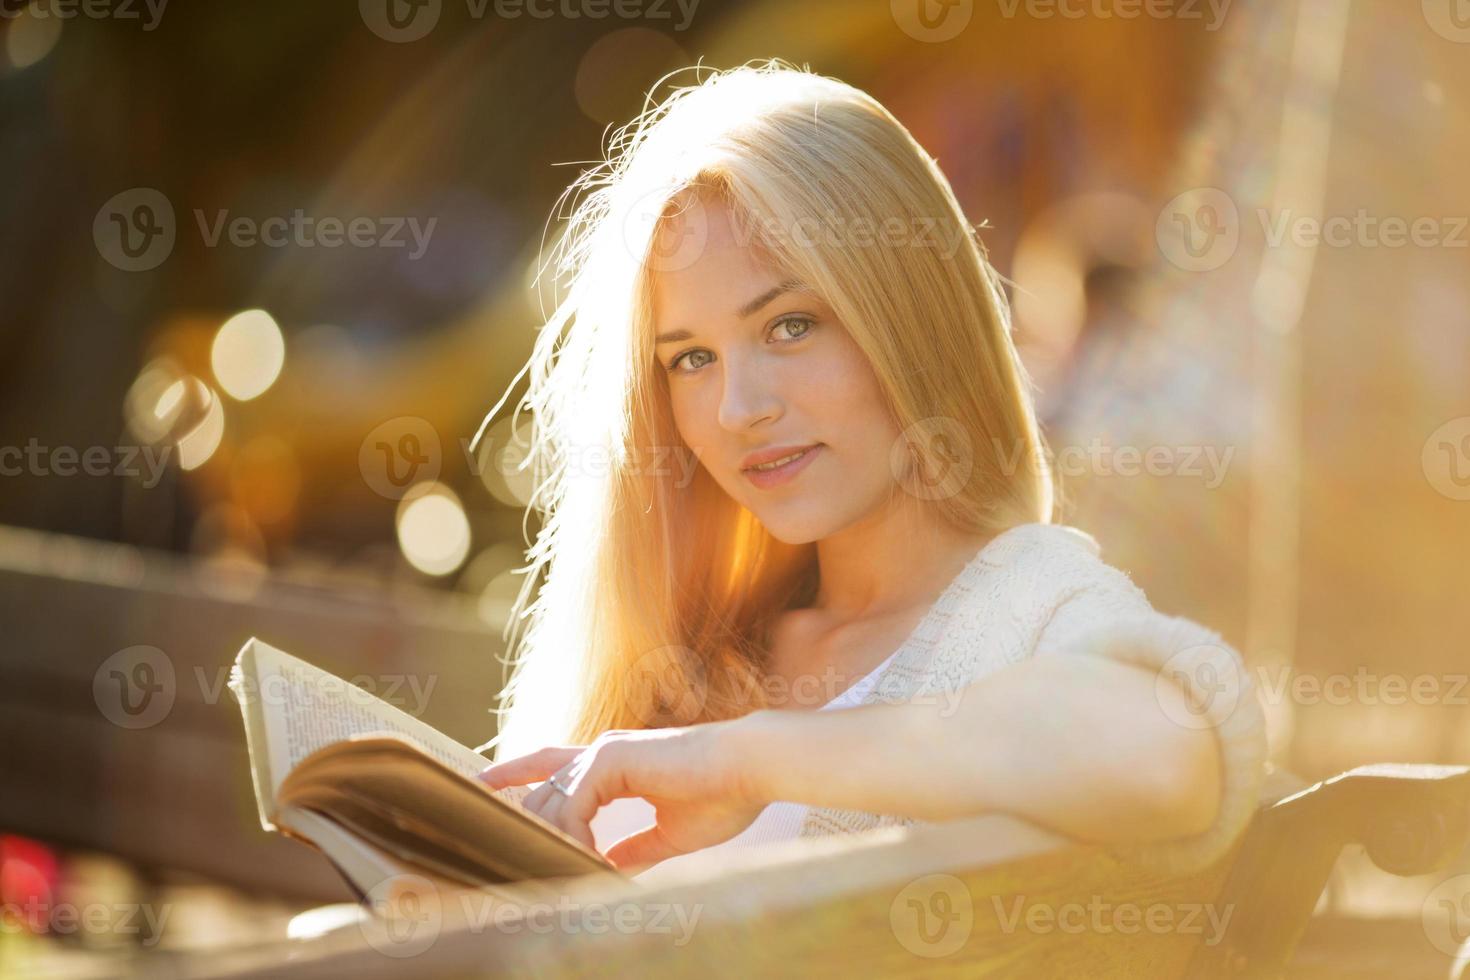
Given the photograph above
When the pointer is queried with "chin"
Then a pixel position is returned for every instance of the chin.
(797, 522)
(790, 534)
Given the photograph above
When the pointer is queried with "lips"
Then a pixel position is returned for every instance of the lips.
(773, 454)
(785, 471)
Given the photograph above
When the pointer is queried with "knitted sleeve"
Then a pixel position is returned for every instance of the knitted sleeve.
(1110, 617)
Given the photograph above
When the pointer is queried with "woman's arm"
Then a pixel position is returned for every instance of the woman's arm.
(1086, 746)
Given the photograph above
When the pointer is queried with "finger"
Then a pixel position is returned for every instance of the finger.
(547, 805)
(529, 768)
(536, 800)
(572, 812)
(562, 813)
(648, 846)
(566, 819)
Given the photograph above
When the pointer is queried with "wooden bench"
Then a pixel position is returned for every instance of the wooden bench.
(991, 896)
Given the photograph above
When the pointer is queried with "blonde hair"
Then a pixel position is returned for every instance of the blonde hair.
(657, 599)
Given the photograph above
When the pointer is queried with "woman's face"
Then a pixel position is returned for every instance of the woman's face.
(756, 363)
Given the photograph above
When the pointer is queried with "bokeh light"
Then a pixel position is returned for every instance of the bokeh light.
(155, 401)
(433, 531)
(618, 65)
(31, 38)
(248, 354)
(198, 444)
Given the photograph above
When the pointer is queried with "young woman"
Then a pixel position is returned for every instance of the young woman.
(788, 464)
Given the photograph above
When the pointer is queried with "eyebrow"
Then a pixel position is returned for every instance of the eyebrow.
(744, 311)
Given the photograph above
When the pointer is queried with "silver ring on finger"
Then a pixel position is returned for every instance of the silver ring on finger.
(551, 780)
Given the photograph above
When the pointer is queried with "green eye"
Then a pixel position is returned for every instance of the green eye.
(674, 364)
(804, 322)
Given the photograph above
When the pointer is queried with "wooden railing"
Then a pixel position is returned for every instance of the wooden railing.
(992, 896)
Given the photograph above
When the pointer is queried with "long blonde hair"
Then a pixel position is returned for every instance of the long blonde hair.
(656, 599)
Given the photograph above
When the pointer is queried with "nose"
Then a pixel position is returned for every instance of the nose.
(749, 395)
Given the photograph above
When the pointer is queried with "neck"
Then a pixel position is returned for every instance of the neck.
(895, 558)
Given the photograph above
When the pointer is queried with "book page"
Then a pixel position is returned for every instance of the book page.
(303, 708)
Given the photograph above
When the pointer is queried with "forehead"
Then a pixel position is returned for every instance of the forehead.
(705, 261)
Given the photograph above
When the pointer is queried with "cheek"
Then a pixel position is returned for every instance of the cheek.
(841, 390)
(695, 415)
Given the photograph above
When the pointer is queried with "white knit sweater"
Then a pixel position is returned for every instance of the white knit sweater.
(1042, 590)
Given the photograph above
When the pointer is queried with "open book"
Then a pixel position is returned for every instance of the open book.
(379, 792)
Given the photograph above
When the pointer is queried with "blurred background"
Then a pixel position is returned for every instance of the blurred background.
(267, 265)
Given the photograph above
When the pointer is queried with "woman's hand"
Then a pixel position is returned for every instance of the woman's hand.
(695, 777)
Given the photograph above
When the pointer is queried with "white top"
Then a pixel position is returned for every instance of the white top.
(1039, 590)
(778, 821)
